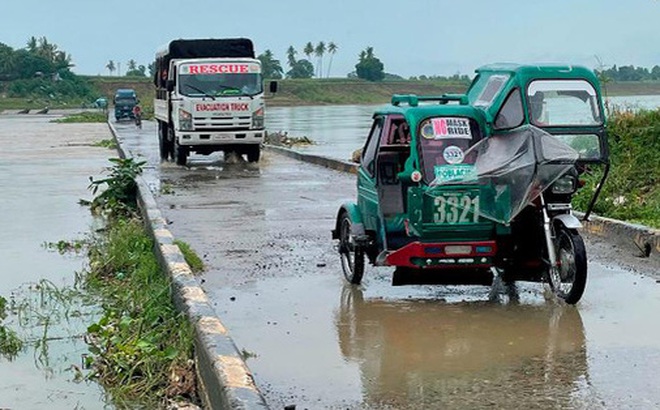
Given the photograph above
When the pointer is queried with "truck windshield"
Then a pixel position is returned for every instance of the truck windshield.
(563, 103)
(220, 85)
(125, 101)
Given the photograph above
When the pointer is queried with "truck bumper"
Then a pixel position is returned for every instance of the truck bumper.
(221, 138)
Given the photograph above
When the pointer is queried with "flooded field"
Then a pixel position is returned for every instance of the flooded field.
(44, 171)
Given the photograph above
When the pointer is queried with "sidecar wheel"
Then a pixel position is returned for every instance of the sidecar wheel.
(572, 265)
(352, 255)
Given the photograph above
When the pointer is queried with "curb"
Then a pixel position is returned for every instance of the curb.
(637, 238)
(225, 380)
(338, 165)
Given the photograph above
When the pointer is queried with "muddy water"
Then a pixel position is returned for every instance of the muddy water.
(340, 130)
(44, 170)
(274, 276)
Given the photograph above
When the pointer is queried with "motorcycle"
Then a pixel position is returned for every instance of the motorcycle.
(456, 189)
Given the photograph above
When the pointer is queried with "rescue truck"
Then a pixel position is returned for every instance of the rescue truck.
(209, 97)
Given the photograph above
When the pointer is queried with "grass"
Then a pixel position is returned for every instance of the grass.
(632, 190)
(142, 347)
(192, 259)
(10, 343)
(84, 117)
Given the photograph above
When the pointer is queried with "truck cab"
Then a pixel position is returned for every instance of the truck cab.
(124, 101)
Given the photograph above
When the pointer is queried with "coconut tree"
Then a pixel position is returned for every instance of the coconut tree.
(291, 56)
(332, 49)
(309, 50)
(32, 44)
(110, 66)
(319, 51)
(132, 65)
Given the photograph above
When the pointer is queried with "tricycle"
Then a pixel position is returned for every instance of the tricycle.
(459, 189)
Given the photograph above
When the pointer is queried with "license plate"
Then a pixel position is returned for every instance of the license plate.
(456, 208)
(222, 137)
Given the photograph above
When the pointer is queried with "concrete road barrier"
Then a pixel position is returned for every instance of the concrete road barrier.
(224, 378)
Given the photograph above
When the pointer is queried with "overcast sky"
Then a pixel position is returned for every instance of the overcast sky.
(411, 37)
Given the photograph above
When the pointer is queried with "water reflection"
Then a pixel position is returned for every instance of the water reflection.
(425, 354)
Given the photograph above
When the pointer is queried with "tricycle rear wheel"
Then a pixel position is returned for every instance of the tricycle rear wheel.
(352, 254)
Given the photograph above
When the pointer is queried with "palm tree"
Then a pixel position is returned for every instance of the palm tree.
(332, 49)
(110, 66)
(32, 44)
(46, 50)
(309, 50)
(319, 51)
(132, 65)
(291, 56)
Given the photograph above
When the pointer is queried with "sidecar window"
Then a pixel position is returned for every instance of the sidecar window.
(371, 146)
(491, 89)
(563, 103)
(445, 145)
(511, 114)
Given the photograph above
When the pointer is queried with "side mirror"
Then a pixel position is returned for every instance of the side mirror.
(273, 87)
(169, 85)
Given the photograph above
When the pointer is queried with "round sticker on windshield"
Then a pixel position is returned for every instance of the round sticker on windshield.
(427, 131)
(453, 155)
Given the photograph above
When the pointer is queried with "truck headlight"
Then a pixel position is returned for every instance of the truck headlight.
(185, 120)
(258, 118)
(565, 185)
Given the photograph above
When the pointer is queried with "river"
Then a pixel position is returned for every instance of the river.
(338, 130)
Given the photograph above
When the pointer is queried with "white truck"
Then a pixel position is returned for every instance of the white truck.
(209, 97)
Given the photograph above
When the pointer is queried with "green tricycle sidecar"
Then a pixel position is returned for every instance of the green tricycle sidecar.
(455, 189)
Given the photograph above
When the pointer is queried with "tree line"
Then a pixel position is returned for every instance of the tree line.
(630, 73)
(133, 69)
(368, 67)
(40, 70)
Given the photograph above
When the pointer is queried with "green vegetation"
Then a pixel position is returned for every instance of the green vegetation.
(85, 116)
(632, 190)
(119, 198)
(106, 143)
(10, 343)
(630, 73)
(142, 348)
(192, 259)
(369, 67)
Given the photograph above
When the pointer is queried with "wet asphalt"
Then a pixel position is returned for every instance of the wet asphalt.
(274, 277)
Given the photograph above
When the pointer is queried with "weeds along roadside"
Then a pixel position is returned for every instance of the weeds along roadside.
(142, 347)
(632, 189)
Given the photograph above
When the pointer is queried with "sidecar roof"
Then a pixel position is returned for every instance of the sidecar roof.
(416, 108)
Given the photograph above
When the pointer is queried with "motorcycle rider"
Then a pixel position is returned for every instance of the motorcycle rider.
(137, 113)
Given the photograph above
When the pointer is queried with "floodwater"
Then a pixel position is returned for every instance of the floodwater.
(44, 171)
(339, 130)
(274, 277)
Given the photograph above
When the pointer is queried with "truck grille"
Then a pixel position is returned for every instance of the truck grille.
(222, 124)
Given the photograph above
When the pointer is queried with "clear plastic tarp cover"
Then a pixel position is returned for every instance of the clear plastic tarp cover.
(512, 169)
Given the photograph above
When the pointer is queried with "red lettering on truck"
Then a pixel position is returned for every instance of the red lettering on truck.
(218, 68)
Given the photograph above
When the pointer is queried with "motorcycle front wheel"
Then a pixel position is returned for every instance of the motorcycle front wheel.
(569, 278)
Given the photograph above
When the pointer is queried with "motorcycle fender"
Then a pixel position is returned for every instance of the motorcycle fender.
(356, 219)
(568, 220)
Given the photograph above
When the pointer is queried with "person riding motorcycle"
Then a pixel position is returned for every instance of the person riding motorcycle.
(137, 113)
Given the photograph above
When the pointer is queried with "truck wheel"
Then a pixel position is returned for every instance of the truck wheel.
(162, 143)
(253, 153)
(352, 255)
(180, 154)
(169, 144)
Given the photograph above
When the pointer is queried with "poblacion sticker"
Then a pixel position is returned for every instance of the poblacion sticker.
(453, 155)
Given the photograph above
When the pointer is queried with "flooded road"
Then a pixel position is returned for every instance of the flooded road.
(44, 171)
(274, 277)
